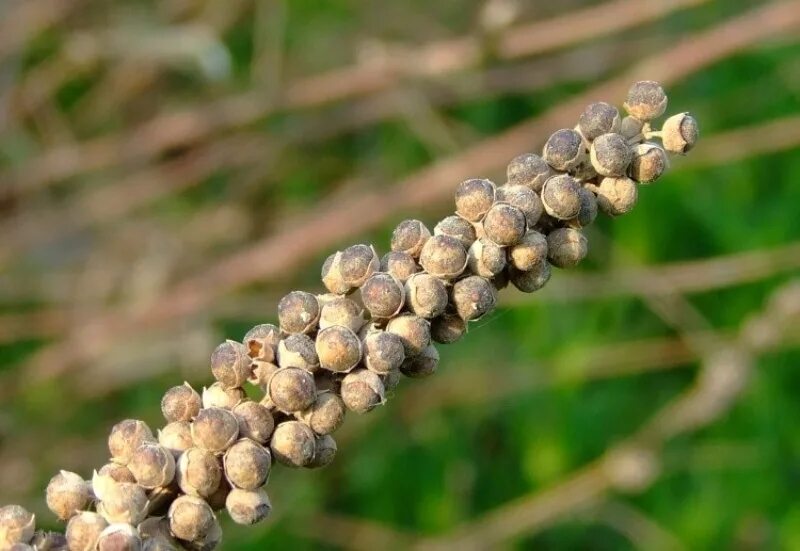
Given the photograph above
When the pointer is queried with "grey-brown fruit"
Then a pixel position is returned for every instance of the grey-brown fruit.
(208, 542)
(588, 210)
(338, 349)
(117, 472)
(610, 155)
(566, 247)
(414, 332)
(444, 257)
(292, 389)
(504, 224)
(484, 258)
(648, 163)
(215, 429)
(48, 541)
(525, 199)
(218, 396)
(298, 312)
(358, 263)
(67, 494)
(617, 196)
(293, 444)
(332, 275)
(362, 390)
(325, 415)
(248, 507)
(409, 236)
(679, 133)
(383, 295)
(247, 465)
(473, 297)
(426, 295)
(448, 328)
(152, 465)
(198, 472)
(383, 351)
(125, 437)
(401, 265)
(529, 170)
(230, 364)
(324, 452)
(262, 341)
(598, 118)
(458, 227)
(190, 518)
(531, 251)
(646, 100)
(180, 403)
(217, 500)
(16, 525)
(83, 531)
(298, 351)
(122, 502)
(255, 421)
(531, 280)
(561, 198)
(474, 198)
(564, 150)
(119, 537)
(631, 128)
(422, 365)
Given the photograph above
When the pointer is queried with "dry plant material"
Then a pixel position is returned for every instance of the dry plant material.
(329, 355)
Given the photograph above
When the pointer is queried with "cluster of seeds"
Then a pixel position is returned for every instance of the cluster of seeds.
(345, 350)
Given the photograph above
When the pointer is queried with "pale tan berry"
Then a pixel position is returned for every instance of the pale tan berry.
(560, 197)
(198, 472)
(529, 170)
(649, 162)
(409, 237)
(122, 502)
(679, 133)
(486, 259)
(426, 295)
(262, 341)
(293, 444)
(564, 149)
(298, 312)
(529, 252)
(617, 196)
(631, 128)
(119, 537)
(261, 372)
(219, 396)
(16, 525)
(324, 452)
(598, 118)
(504, 224)
(362, 390)
(248, 507)
(523, 198)
(358, 263)
(247, 465)
(338, 348)
(646, 100)
(610, 155)
(532, 279)
(208, 542)
(443, 256)
(125, 437)
(458, 227)
(473, 297)
(332, 275)
(190, 518)
(298, 351)
(292, 389)
(230, 364)
(566, 247)
(83, 531)
(423, 365)
(474, 198)
(383, 351)
(255, 421)
(414, 332)
(67, 493)
(401, 265)
(325, 415)
(152, 465)
(180, 403)
(215, 429)
(448, 328)
(383, 295)
(342, 311)
(117, 472)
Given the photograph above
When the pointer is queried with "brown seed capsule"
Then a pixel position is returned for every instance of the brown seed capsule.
(649, 162)
(248, 507)
(217, 500)
(531, 250)
(646, 100)
(215, 429)
(409, 236)
(473, 297)
(342, 311)
(198, 472)
(617, 196)
(16, 525)
(324, 453)
(262, 341)
(588, 210)
(457, 227)
(255, 421)
(117, 472)
(610, 155)
(566, 247)
(631, 128)
(486, 259)
(423, 365)
(525, 199)
(293, 444)
(679, 133)
(210, 541)
(598, 118)
(217, 396)
(298, 312)
(122, 502)
(560, 197)
(298, 351)
(531, 280)
(247, 465)
(448, 328)
(414, 332)
(67, 493)
(190, 518)
(383, 295)
(83, 531)
(426, 295)
(291, 389)
(332, 275)
(325, 415)
(358, 263)
(529, 170)
(564, 149)
(362, 391)
(444, 257)
(401, 265)
(230, 364)
(180, 403)
(125, 437)
(338, 348)
(261, 372)
(152, 465)
(383, 351)
(504, 224)
(119, 537)
(474, 198)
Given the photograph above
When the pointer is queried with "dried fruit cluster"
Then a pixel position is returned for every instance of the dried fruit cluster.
(344, 350)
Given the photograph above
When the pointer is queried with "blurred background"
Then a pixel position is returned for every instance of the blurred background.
(169, 169)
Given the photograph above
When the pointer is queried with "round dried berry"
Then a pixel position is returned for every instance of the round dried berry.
(325, 415)
(298, 351)
(474, 198)
(401, 265)
(298, 312)
(473, 297)
(338, 349)
(525, 199)
(530, 251)
(504, 224)
(342, 311)
(649, 162)
(293, 444)
(631, 128)
(198, 472)
(152, 465)
(486, 259)
(457, 227)
(598, 118)
(262, 341)
(292, 389)
(383, 295)
(426, 295)
(679, 133)
(16, 525)
(617, 196)
(67, 494)
(444, 257)
(190, 518)
(566, 247)
(362, 391)
(125, 437)
(180, 403)
(564, 149)
(383, 351)
(117, 472)
(588, 210)
(122, 502)
(531, 280)
(324, 453)
(262, 372)
(255, 421)
(422, 365)
(230, 364)
(560, 197)
(358, 263)
(414, 332)
(332, 275)
(646, 100)
(610, 155)
(529, 170)
(247, 465)
(119, 537)
(448, 328)
(217, 396)
(409, 236)
(215, 429)
(248, 507)
(83, 531)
